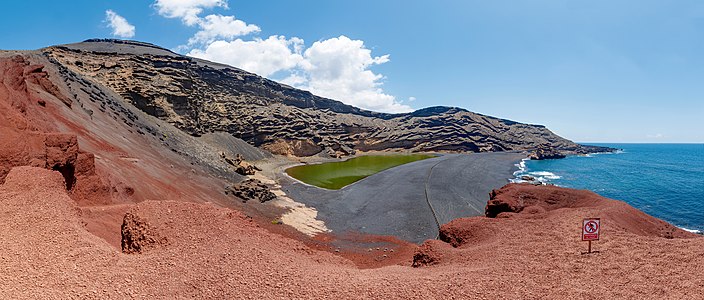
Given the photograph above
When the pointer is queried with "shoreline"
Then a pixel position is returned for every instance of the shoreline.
(653, 189)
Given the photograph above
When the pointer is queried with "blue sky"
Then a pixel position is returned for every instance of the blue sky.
(592, 71)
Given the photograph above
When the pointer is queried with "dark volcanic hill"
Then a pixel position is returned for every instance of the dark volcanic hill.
(202, 97)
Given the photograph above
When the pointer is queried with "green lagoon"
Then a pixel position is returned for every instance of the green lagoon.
(336, 175)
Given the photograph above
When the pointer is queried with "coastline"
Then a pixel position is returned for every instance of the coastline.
(651, 177)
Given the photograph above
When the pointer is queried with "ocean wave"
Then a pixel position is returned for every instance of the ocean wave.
(521, 167)
(539, 176)
(691, 230)
(545, 174)
(619, 151)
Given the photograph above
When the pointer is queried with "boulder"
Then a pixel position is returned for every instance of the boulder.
(241, 166)
(245, 168)
(527, 178)
(546, 153)
(251, 189)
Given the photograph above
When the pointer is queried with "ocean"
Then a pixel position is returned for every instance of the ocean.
(663, 180)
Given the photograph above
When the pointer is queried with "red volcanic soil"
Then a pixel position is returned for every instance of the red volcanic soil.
(91, 209)
(202, 250)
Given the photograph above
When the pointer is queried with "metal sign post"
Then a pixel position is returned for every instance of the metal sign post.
(591, 227)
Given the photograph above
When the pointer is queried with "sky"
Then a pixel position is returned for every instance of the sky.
(591, 71)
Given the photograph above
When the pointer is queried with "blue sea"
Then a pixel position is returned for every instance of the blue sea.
(663, 180)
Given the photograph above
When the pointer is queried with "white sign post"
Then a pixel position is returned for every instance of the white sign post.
(590, 231)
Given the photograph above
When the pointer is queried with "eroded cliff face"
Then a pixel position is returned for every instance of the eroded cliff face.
(201, 97)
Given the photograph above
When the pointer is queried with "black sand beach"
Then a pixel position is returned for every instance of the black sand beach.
(398, 201)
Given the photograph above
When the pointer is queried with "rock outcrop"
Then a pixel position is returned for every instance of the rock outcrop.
(523, 200)
(202, 97)
(23, 143)
(138, 236)
(525, 216)
(546, 153)
(251, 189)
(241, 166)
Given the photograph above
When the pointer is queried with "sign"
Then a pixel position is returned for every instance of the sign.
(590, 229)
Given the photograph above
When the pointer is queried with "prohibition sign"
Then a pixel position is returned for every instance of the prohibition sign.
(591, 227)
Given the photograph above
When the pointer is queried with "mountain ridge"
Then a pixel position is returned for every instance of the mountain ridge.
(201, 97)
(415, 112)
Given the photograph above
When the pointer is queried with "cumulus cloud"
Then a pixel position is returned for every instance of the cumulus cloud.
(119, 25)
(219, 26)
(212, 27)
(186, 10)
(263, 57)
(337, 68)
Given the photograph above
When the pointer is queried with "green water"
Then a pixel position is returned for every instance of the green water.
(336, 175)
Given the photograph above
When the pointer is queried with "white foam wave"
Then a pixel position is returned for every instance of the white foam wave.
(521, 168)
(691, 230)
(546, 175)
(542, 176)
(619, 151)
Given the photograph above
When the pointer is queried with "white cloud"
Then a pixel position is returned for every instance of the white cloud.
(411, 99)
(263, 57)
(119, 25)
(186, 10)
(336, 68)
(219, 26)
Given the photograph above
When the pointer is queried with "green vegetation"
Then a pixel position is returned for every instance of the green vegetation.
(336, 175)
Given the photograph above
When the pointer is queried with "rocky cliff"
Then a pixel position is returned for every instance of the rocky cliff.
(202, 97)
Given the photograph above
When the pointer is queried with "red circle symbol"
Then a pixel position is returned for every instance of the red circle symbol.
(591, 227)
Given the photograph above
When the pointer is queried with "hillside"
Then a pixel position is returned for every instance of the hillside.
(201, 97)
(191, 250)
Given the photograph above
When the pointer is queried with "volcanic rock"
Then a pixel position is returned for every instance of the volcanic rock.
(527, 178)
(202, 97)
(526, 199)
(251, 189)
(546, 153)
(241, 166)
